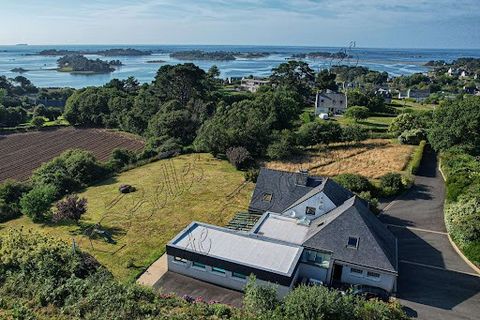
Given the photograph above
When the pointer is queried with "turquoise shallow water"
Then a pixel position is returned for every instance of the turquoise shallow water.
(394, 61)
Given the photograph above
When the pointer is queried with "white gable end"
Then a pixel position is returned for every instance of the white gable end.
(311, 208)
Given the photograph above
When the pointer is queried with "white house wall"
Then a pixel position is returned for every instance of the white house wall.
(310, 271)
(225, 280)
(386, 280)
(314, 201)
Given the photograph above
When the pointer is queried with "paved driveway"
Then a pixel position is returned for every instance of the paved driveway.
(434, 282)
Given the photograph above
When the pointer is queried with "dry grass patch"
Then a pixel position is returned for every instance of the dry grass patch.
(170, 194)
(371, 158)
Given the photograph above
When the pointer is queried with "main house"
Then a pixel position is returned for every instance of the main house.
(312, 230)
(330, 102)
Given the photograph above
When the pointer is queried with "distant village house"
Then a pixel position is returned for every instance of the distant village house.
(252, 85)
(330, 102)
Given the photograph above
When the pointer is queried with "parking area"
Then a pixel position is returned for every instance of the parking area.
(434, 281)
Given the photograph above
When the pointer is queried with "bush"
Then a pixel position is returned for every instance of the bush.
(251, 175)
(391, 184)
(354, 182)
(413, 136)
(239, 157)
(417, 158)
(354, 133)
(10, 194)
(36, 203)
(70, 171)
(462, 219)
(72, 208)
(283, 146)
(121, 158)
(372, 201)
(357, 113)
(316, 132)
(259, 299)
(38, 122)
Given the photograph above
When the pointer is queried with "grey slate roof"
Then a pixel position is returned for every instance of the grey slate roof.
(376, 244)
(286, 191)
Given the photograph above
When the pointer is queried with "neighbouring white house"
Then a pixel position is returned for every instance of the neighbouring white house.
(385, 94)
(311, 230)
(330, 102)
(252, 84)
(416, 94)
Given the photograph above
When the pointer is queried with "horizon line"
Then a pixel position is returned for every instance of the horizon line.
(238, 45)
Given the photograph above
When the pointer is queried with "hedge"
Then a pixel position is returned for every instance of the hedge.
(414, 164)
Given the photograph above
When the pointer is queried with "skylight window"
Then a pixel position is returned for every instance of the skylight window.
(267, 197)
(352, 242)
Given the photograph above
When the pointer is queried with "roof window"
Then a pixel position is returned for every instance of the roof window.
(267, 197)
(352, 242)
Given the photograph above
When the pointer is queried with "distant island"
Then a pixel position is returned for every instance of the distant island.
(216, 55)
(19, 70)
(107, 53)
(155, 61)
(321, 54)
(75, 63)
(203, 55)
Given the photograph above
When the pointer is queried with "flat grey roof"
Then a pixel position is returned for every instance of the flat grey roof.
(282, 228)
(240, 248)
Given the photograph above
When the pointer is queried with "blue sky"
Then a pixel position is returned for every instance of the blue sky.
(371, 23)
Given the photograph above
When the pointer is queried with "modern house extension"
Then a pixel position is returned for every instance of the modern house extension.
(311, 230)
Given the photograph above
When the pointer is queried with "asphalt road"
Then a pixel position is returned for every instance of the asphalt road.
(434, 282)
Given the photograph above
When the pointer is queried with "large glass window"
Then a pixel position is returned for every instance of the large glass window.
(218, 270)
(199, 265)
(239, 275)
(320, 259)
(373, 275)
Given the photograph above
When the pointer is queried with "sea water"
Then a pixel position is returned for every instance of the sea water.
(43, 74)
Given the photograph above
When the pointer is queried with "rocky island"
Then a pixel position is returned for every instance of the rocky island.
(75, 63)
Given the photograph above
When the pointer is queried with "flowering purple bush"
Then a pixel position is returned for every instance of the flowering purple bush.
(72, 208)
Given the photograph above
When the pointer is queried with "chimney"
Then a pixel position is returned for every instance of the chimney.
(302, 177)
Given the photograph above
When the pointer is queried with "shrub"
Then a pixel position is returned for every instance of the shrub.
(318, 302)
(417, 158)
(70, 171)
(283, 146)
(38, 122)
(251, 175)
(121, 158)
(239, 157)
(316, 132)
(413, 136)
(354, 133)
(463, 219)
(36, 203)
(10, 194)
(357, 113)
(259, 299)
(354, 182)
(391, 184)
(372, 201)
(72, 208)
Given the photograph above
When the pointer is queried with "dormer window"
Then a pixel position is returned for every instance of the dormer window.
(267, 197)
(352, 242)
(310, 211)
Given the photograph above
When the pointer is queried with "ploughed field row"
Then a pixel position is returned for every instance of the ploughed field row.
(22, 153)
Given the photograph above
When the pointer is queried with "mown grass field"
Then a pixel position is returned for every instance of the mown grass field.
(170, 194)
(371, 158)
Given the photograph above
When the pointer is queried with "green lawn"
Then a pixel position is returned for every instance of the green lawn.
(399, 104)
(375, 123)
(170, 194)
